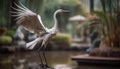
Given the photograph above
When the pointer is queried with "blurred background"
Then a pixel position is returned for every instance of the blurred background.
(89, 24)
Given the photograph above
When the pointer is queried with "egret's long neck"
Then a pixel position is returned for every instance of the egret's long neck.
(55, 20)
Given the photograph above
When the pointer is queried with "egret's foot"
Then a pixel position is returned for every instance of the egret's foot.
(45, 66)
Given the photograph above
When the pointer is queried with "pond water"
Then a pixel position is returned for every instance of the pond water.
(56, 59)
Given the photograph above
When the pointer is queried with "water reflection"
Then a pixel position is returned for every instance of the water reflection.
(56, 59)
(23, 60)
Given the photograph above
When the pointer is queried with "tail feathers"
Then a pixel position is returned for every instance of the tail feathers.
(32, 44)
(45, 39)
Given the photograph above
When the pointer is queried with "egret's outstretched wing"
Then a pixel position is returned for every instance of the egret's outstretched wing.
(31, 45)
(28, 19)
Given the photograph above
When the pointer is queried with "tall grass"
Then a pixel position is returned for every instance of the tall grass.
(110, 20)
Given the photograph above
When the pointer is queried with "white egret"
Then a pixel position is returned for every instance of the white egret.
(32, 22)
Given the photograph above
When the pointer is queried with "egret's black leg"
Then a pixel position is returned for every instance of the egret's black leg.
(40, 54)
(44, 56)
(43, 52)
(40, 57)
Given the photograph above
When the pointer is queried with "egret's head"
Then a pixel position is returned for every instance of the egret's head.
(60, 11)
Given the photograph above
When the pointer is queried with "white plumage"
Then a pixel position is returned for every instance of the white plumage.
(32, 22)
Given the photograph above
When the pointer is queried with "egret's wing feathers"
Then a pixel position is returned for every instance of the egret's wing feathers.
(28, 19)
(32, 44)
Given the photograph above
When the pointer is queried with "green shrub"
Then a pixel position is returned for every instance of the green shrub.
(9, 33)
(62, 39)
(5, 39)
